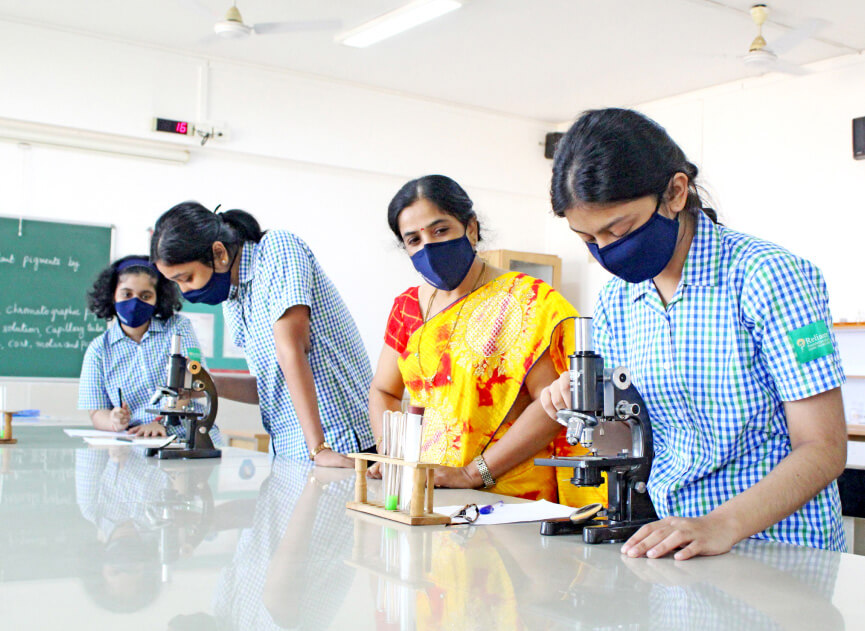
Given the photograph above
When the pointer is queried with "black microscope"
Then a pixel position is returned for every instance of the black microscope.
(599, 398)
(174, 402)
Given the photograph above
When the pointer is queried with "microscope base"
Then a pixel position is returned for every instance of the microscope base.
(612, 532)
(167, 453)
(594, 531)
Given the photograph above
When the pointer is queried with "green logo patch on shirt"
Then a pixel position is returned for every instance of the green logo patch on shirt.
(811, 342)
(193, 354)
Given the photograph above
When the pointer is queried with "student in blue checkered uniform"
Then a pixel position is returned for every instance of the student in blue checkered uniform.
(310, 370)
(728, 339)
(129, 358)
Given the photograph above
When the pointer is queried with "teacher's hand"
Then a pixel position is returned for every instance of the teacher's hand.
(696, 536)
(457, 477)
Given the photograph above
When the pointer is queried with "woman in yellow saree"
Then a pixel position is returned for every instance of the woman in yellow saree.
(474, 345)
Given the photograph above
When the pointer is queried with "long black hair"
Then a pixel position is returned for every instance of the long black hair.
(187, 232)
(100, 298)
(612, 155)
(442, 191)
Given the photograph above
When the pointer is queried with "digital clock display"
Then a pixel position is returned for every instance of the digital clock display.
(172, 127)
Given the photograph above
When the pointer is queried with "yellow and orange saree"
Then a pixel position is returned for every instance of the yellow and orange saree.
(467, 366)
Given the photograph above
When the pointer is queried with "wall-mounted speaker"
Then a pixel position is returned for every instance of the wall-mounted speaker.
(858, 138)
(552, 140)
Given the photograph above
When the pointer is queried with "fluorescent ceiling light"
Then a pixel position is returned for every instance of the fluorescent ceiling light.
(72, 138)
(397, 21)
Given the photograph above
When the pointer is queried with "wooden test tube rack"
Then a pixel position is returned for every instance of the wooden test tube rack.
(420, 512)
(7, 430)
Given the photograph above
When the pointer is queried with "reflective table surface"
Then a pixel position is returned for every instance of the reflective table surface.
(108, 539)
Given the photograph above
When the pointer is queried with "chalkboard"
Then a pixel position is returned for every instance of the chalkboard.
(215, 341)
(46, 269)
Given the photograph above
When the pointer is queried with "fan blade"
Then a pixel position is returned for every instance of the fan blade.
(267, 28)
(797, 36)
(788, 68)
(198, 7)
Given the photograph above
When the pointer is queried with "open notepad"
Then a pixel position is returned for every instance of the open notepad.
(98, 438)
(93, 433)
(515, 513)
(158, 442)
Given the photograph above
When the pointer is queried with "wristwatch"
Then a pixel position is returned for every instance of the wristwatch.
(486, 476)
(321, 447)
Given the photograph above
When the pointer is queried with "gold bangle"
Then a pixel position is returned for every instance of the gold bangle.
(317, 450)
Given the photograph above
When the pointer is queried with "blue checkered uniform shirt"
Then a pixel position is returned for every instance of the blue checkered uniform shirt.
(714, 368)
(276, 274)
(113, 360)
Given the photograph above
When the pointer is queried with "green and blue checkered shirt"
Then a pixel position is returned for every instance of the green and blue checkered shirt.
(747, 329)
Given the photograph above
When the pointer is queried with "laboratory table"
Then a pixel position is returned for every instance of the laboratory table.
(108, 539)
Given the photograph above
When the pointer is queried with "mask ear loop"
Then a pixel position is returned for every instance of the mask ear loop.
(233, 258)
(660, 201)
(466, 235)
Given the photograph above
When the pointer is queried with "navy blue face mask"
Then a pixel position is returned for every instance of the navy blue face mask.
(444, 265)
(215, 290)
(134, 312)
(642, 254)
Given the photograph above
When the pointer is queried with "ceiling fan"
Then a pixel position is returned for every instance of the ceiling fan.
(232, 26)
(765, 57)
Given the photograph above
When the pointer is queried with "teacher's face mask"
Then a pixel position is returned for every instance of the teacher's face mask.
(445, 264)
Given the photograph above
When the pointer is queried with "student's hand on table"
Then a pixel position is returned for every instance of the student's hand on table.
(330, 458)
(120, 418)
(696, 536)
(374, 471)
(456, 477)
(149, 430)
(557, 395)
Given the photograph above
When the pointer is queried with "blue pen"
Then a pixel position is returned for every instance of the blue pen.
(486, 510)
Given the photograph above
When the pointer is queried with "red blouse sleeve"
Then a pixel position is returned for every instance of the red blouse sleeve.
(405, 318)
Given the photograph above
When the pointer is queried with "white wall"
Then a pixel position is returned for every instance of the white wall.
(775, 154)
(316, 157)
